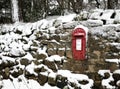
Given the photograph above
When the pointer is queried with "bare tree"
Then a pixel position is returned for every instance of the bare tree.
(61, 5)
(97, 3)
(15, 13)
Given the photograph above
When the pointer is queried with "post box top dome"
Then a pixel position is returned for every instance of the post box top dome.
(82, 27)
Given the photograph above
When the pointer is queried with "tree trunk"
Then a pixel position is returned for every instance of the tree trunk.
(61, 5)
(68, 5)
(73, 6)
(15, 15)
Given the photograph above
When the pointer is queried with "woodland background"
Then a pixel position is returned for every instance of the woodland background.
(34, 10)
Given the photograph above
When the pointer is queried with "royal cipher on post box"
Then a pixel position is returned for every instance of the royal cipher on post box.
(78, 44)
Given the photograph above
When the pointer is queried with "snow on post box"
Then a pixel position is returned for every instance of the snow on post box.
(78, 43)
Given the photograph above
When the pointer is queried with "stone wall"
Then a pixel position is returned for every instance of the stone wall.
(100, 46)
(103, 44)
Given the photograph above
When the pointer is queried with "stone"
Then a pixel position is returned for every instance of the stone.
(43, 69)
(42, 79)
(66, 87)
(94, 23)
(44, 42)
(70, 25)
(33, 48)
(97, 53)
(116, 77)
(68, 54)
(29, 75)
(113, 66)
(51, 51)
(25, 61)
(52, 80)
(37, 70)
(68, 44)
(118, 84)
(7, 71)
(57, 31)
(92, 55)
(61, 51)
(79, 68)
(57, 23)
(16, 51)
(7, 63)
(83, 82)
(64, 37)
(91, 68)
(17, 73)
(4, 75)
(59, 63)
(61, 81)
(39, 56)
(99, 65)
(51, 65)
(97, 85)
(55, 37)
(50, 46)
(38, 35)
(106, 75)
(17, 31)
(37, 62)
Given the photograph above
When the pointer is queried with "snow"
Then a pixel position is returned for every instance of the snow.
(29, 56)
(96, 14)
(7, 59)
(30, 68)
(16, 49)
(106, 15)
(47, 86)
(113, 60)
(27, 29)
(94, 23)
(24, 84)
(105, 82)
(117, 71)
(11, 43)
(66, 18)
(52, 74)
(55, 58)
(45, 24)
(42, 51)
(76, 78)
(117, 17)
(101, 72)
(117, 45)
(52, 30)
(85, 1)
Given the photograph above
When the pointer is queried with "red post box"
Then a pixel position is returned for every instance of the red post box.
(79, 44)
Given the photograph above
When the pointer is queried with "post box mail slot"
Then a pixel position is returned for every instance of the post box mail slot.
(78, 44)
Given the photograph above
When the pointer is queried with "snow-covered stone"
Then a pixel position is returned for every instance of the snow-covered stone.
(94, 23)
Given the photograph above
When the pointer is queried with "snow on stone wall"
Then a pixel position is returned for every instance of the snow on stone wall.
(42, 51)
